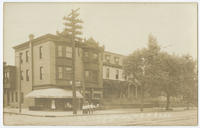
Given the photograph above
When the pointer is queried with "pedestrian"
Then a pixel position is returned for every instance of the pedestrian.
(53, 105)
(94, 108)
(97, 106)
(84, 109)
(91, 108)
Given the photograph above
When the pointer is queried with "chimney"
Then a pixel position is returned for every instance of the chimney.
(31, 37)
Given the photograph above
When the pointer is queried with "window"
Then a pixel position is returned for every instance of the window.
(116, 60)
(124, 76)
(68, 69)
(12, 93)
(16, 97)
(27, 56)
(22, 97)
(60, 73)
(27, 75)
(69, 52)
(59, 50)
(22, 75)
(107, 73)
(7, 75)
(68, 73)
(117, 74)
(41, 73)
(91, 76)
(107, 58)
(21, 57)
(86, 54)
(95, 56)
(87, 75)
(41, 50)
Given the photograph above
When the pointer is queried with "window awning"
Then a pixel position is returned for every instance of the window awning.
(52, 93)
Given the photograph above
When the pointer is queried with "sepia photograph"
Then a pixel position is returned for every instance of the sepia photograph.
(100, 64)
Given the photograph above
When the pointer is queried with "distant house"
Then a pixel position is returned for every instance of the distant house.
(10, 95)
(115, 81)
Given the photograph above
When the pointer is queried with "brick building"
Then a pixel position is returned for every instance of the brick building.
(45, 65)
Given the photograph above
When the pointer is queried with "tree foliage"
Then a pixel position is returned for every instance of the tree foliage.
(161, 72)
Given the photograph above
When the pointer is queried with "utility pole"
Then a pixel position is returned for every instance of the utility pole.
(71, 28)
(142, 86)
(19, 85)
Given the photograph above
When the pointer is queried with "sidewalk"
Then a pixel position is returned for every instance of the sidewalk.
(79, 112)
(65, 113)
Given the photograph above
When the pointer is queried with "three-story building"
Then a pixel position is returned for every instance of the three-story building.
(45, 67)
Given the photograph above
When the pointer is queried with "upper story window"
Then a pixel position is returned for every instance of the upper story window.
(86, 54)
(21, 57)
(60, 72)
(91, 76)
(7, 75)
(27, 56)
(67, 73)
(27, 75)
(116, 60)
(69, 52)
(41, 73)
(22, 74)
(124, 76)
(107, 73)
(59, 50)
(41, 52)
(117, 74)
(95, 56)
(68, 69)
(107, 58)
(87, 75)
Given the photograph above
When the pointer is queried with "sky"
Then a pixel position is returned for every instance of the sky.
(121, 27)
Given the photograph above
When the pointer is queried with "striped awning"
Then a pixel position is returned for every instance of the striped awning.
(52, 93)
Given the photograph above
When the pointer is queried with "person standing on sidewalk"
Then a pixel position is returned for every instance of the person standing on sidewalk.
(84, 108)
(53, 105)
(91, 108)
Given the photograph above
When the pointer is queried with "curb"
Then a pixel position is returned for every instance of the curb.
(80, 114)
(67, 115)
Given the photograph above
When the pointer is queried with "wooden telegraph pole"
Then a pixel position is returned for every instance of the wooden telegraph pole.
(72, 26)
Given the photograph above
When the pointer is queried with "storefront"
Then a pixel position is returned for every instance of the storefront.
(54, 99)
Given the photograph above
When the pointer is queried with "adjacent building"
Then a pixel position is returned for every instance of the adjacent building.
(10, 93)
(115, 81)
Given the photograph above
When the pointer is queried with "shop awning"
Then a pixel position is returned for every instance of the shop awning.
(52, 93)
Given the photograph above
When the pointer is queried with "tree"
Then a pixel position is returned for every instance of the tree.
(139, 66)
(168, 75)
(71, 32)
(159, 72)
(189, 80)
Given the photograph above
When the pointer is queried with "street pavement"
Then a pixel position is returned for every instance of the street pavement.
(146, 118)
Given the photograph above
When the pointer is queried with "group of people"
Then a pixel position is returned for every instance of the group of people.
(88, 108)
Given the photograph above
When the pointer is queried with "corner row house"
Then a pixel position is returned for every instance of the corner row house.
(45, 67)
